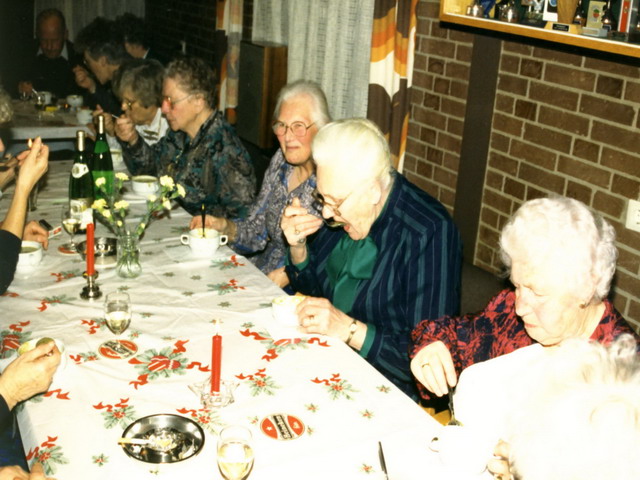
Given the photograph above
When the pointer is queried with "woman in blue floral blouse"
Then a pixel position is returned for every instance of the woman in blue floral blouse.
(301, 110)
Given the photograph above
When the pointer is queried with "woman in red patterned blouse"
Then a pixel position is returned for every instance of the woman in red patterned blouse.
(561, 259)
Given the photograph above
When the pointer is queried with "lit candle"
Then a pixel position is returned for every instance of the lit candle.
(90, 249)
(216, 359)
(30, 143)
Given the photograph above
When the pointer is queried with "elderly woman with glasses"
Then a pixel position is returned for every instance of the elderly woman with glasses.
(138, 85)
(301, 110)
(389, 258)
(202, 152)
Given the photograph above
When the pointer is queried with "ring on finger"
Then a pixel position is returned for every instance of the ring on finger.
(302, 240)
(296, 231)
(425, 364)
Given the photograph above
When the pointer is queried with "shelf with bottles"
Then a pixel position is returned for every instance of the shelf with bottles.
(461, 12)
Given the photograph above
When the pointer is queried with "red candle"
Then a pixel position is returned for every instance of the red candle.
(216, 358)
(90, 249)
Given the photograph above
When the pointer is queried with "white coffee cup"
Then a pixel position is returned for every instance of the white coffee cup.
(30, 254)
(144, 184)
(463, 449)
(203, 246)
(283, 309)
(84, 116)
(47, 97)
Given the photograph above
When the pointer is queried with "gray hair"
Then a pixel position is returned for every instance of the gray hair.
(357, 144)
(582, 420)
(194, 76)
(563, 230)
(320, 109)
(143, 78)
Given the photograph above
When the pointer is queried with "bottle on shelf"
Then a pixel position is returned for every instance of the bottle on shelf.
(102, 165)
(81, 183)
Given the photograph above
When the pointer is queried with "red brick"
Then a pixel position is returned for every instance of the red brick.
(503, 164)
(507, 124)
(509, 64)
(514, 188)
(546, 137)
(586, 150)
(606, 109)
(542, 178)
(570, 77)
(621, 162)
(504, 103)
(552, 95)
(526, 110)
(608, 204)
(579, 192)
(531, 153)
(624, 186)
(553, 55)
(609, 86)
(565, 121)
(497, 200)
(632, 92)
(612, 67)
(500, 142)
(512, 84)
(494, 180)
(531, 68)
(449, 142)
(584, 171)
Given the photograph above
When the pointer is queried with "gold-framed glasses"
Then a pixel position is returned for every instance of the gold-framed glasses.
(299, 129)
(172, 103)
(129, 103)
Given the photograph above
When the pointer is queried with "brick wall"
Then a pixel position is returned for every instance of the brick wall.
(563, 123)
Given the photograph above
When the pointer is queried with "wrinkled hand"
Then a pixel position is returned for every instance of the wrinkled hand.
(29, 374)
(433, 367)
(25, 86)
(279, 277)
(33, 164)
(499, 466)
(17, 473)
(84, 79)
(217, 223)
(125, 130)
(297, 223)
(9, 173)
(109, 125)
(36, 233)
(318, 315)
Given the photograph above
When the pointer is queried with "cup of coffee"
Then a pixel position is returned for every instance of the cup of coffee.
(203, 243)
(30, 254)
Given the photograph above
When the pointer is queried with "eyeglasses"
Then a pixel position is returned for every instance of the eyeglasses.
(128, 103)
(299, 129)
(172, 103)
(321, 203)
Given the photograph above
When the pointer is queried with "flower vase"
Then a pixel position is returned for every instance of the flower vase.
(128, 265)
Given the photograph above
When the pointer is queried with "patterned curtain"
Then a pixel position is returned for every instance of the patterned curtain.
(229, 24)
(391, 71)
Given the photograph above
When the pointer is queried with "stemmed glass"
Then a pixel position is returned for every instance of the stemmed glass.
(117, 312)
(71, 221)
(235, 452)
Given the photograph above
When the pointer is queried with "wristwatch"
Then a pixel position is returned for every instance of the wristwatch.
(352, 329)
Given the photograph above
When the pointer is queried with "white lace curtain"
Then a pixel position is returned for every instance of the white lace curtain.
(79, 13)
(329, 41)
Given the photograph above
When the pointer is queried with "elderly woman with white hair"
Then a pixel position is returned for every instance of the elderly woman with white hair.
(301, 110)
(561, 259)
(582, 422)
(389, 257)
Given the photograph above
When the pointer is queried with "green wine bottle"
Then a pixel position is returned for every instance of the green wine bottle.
(81, 183)
(102, 163)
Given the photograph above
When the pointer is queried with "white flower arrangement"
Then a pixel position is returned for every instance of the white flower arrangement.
(113, 210)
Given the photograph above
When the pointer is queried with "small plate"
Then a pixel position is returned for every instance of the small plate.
(181, 438)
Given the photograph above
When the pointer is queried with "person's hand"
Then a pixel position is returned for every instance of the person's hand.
(279, 277)
(25, 86)
(433, 367)
(125, 130)
(17, 473)
(109, 124)
(29, 374)
(297, 223)
(37, 233)
(318, 315)
(8, 173)
(499, 466)
(84, 79)
(33, 164)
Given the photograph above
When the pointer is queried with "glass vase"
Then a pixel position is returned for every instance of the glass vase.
(128, 265)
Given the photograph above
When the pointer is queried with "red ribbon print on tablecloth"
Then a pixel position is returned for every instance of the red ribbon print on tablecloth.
(92, 324)
(14, 337)
(275, 347)
(58, 394)
(10, 294)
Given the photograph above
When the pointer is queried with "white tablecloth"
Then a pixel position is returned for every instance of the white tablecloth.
(29, 123)
(344, 403)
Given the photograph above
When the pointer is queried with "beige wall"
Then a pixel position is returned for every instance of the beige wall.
(562, 123)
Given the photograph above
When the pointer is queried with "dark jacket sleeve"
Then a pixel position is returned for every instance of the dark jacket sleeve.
(9, 251)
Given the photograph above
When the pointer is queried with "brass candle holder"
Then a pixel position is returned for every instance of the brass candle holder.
(92, 290)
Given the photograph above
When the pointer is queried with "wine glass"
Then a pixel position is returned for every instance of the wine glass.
(117, 311)
(71, 221)
(235, 452)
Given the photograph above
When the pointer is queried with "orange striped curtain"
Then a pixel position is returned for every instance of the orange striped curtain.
(229, 21)
(392, 49)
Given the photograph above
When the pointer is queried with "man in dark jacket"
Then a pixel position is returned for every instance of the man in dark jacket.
(54, 58)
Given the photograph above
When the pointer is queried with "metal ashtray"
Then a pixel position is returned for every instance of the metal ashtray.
(105, 248)
(167, 438)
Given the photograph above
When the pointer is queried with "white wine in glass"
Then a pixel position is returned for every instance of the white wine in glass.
(117, 312)
(235, 453)
(71, 223)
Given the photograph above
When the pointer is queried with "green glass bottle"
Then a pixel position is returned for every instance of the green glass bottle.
(81, 183)
(102, 164)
